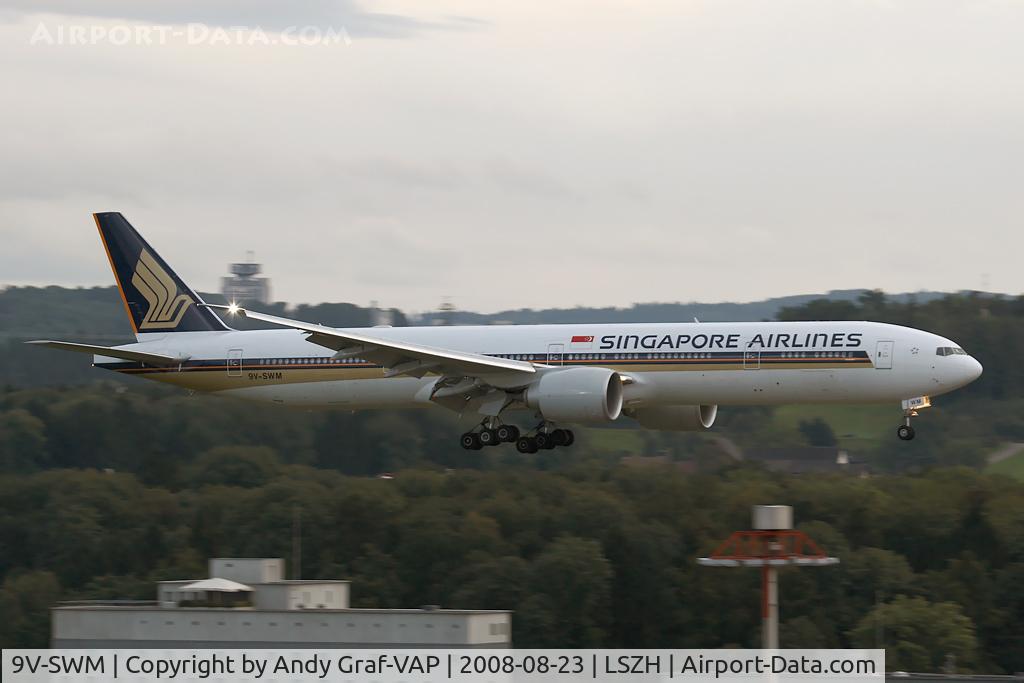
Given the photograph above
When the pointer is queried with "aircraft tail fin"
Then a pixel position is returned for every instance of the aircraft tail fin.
(157, 300)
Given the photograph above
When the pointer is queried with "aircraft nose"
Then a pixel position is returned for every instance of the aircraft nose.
(974, 369)
(964, 372)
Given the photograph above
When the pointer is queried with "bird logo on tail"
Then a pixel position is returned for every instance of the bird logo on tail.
(166, 306)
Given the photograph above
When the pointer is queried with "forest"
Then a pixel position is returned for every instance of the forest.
(107, 486)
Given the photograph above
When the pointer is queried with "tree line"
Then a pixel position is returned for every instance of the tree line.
(160, 434)
(588, 555)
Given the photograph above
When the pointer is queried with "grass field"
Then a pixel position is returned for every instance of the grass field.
(855, 426)
(614, 440)
(1012, 466)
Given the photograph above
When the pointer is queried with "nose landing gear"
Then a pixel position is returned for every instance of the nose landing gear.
(905, 432)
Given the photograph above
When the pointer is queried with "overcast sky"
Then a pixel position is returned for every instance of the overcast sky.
(526, 153)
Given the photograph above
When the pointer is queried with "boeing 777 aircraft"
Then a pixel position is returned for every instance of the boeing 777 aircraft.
(663, 376)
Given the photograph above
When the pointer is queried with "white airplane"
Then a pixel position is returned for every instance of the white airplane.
(663, 376)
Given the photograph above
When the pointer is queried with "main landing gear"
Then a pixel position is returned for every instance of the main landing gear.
(545, 438)
(491, 433)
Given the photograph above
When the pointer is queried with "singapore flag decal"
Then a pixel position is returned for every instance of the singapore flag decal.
(582, 341)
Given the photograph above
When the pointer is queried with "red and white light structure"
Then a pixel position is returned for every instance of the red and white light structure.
(772, 543)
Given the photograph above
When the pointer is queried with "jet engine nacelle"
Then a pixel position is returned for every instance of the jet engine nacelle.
(675, 418)
(577, 395)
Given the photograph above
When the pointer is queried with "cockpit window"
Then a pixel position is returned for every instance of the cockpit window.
(950, 351)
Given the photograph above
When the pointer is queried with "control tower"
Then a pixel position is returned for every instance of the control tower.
(243, 286)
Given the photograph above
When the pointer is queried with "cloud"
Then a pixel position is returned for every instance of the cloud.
(271, 15)
(510, 174)
(396, 173)
(653, 151)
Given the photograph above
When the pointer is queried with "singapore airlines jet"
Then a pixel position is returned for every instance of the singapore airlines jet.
(663, 376)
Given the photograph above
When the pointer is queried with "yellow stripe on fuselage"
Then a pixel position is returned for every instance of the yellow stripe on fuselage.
(219, 378)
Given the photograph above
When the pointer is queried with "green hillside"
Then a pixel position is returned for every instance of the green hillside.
(1011, 467)
(855, 426)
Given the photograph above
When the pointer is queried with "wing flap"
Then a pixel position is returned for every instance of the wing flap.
(123, 354)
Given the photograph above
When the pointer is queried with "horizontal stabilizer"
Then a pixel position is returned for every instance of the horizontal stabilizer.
(124, 354)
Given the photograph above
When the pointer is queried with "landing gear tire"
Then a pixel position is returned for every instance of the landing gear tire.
(471, 441)
(526, 444)
(572, 437)
(561, 437)
(905, 432)
(508, 433)
(545, 440)
(489, 437)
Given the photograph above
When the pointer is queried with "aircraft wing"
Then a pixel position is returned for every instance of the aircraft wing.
(398, 357)
(124, 354)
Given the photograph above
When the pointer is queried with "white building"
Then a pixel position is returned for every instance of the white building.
(246, 602)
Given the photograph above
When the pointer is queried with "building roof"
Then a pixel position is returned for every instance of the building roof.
(216, 585)
(249, 559)
(253, 585)
(107, 607)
